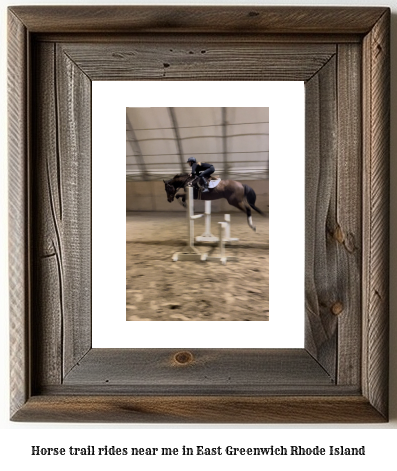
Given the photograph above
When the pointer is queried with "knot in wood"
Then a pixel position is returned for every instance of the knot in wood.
(338, 235)
(183, 358)
(337, 308)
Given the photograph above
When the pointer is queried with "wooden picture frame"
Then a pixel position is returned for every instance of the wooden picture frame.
(342, 54)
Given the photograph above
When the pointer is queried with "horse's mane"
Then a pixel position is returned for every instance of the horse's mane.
(178, 179)
(178, 175)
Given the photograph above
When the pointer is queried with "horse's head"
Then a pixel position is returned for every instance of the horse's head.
(170, 189)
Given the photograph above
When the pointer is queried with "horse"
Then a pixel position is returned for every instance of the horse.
(237, 194)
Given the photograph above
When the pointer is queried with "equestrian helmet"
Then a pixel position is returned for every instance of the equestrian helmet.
(191, 159)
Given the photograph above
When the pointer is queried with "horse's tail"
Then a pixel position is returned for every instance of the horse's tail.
(250, 196)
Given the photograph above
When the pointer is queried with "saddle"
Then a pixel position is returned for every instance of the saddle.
(196, 182)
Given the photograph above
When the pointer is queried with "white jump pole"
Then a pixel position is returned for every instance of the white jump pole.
(222, 252)
(222, 231)
(192, 253)
(227, 237)
(207, 217)
(191, 217)
(207, 236)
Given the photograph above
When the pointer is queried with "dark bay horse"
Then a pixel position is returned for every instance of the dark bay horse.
(237, 194)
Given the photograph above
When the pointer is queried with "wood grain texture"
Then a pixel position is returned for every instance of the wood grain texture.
(322, 287)
(347, 225)
(198, 19)
(18, 213)
(62, 205)
(48, 243)
(223, 59)
(376, 91)
(333, 215)
(199, 409)
(74, 180)
(338, 377)
(154, 370)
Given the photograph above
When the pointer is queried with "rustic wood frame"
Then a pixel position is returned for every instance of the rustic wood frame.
(343, 56)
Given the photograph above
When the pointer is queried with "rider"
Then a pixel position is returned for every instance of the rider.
(202, 169)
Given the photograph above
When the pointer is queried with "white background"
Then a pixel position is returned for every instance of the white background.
(286, 326)
(380, 440)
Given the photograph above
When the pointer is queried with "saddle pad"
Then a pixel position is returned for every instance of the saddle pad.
(213, 183)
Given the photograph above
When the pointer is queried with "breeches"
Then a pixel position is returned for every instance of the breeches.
(207, 172)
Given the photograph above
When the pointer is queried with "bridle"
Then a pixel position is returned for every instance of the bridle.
(171, 189)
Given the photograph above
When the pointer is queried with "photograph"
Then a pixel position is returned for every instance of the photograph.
(191, 190)
(197, 214)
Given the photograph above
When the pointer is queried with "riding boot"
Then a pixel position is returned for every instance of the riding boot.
(205, 184)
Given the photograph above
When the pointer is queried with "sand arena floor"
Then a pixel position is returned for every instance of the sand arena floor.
(159, 289)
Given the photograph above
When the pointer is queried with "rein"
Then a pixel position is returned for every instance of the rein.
(184, 183)
(175, 185)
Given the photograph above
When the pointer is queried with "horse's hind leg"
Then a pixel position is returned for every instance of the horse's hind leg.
(249, 218)
(245, 209)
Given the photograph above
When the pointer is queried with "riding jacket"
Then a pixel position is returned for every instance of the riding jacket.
(201, 167)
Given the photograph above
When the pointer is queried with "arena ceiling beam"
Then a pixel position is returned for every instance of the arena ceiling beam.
(226, 166)
(177, 137)
(137, 150)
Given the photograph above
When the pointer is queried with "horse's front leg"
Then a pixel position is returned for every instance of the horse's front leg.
(183, 199)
